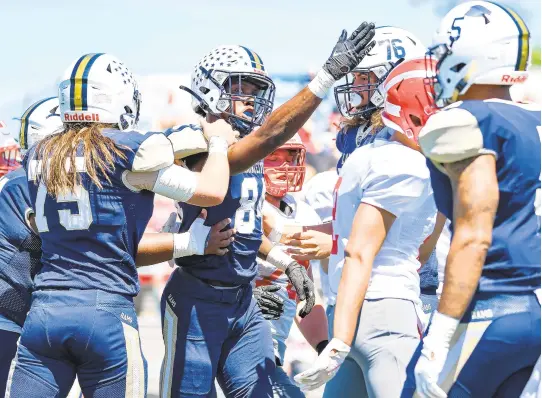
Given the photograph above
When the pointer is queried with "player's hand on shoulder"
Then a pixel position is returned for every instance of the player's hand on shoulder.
(219, 128)
(349, 51)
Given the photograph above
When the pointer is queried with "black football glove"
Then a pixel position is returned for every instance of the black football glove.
(303, 285)
(271, 304)
(348, 53)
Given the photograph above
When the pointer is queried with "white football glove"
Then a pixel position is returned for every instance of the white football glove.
(433, 357)
(192, 242)
(326, 366)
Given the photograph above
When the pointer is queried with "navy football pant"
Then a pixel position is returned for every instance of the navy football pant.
(214, 332)
(493, 351)
(8, 348)
(88, 333)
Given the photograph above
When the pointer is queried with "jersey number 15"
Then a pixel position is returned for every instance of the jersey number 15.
(70, 221)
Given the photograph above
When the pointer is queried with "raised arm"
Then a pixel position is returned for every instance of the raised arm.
(285, 121)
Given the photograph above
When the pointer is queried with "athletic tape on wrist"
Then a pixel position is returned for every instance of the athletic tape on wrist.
(321, 84)
(218, 145)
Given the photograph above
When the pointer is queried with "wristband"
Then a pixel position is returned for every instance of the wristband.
(442, 328)
(321, 84)
(218, 145)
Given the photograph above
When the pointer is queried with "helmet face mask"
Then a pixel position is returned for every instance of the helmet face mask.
(284, 169)
(246, 99)
(361, 100)
(434, 80)
(231, 82)
(9, 159)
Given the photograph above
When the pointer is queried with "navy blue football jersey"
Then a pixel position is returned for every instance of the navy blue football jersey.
(20, 248)
(90, 237)
(511, 132)
(243, 205)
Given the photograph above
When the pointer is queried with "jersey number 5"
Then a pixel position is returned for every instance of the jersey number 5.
(71, 221)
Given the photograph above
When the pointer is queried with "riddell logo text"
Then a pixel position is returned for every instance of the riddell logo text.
(510, 79)
(80, 117)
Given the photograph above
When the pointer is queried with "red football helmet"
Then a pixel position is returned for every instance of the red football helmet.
(409, 101)
(9, 152)
(284, 169)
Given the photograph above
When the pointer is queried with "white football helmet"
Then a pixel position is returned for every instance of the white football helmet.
(392, 45)
(218, 72)
(38, 121)
(98, 88)
(479, 42)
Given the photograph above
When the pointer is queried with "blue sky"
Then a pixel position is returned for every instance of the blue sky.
(39, 39)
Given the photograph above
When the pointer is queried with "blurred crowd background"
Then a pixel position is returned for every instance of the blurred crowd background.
(164, 106)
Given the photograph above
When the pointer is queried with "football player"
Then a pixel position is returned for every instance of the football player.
(359, 101)
(212, 326)
(361, 96)
(20, 247)
(284, 172)
(92, 188)
(483, 153)
(384, 210)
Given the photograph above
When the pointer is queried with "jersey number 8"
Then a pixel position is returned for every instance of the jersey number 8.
(245, 216)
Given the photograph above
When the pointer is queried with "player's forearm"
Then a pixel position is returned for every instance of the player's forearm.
(314, 326)
(154, 248)
(352, 289)
(287, 230)
(463, 269)
(476, 197)
(265, 247)
(213, 182)
(281, 125)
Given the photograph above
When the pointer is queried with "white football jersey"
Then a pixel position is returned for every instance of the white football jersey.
(318, 193)
(292, 211)
(390, 176)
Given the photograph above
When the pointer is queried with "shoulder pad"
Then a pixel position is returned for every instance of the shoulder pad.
(187, 140)
(452, 135)
(154, 153)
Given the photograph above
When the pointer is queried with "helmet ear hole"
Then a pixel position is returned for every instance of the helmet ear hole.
(458, 67)
(415, 120)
